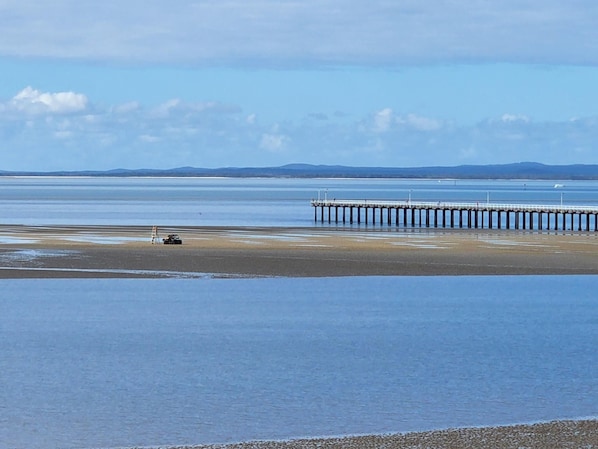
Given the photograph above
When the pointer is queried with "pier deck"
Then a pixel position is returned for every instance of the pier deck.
(457, 215)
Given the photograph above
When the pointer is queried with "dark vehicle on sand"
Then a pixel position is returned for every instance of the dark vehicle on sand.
(172, 239)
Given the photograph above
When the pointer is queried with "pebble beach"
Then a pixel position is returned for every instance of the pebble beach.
(551, 435)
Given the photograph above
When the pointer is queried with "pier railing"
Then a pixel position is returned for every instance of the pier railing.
(458, 214)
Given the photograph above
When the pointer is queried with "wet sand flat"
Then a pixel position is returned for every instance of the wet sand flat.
(126, 251)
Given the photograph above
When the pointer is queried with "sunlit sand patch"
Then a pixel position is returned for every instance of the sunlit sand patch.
(104, 240)
(303, 236)
(201, 238)
(314, 245)
(499, 242)
(373, 237)
(247, 242)
(250, 235)
(421, 245)
(387, 235)
(276, 237)
(401, 239)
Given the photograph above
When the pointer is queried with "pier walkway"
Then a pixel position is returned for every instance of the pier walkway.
(477, 215)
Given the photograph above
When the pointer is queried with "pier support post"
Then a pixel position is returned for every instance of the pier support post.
(427, 215)
(556, 221)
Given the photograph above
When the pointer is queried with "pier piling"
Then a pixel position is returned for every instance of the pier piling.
(468, 215)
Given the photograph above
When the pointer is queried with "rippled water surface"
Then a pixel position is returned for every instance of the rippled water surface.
(113, 363)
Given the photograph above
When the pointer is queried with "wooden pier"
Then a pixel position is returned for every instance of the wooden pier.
(457, 215)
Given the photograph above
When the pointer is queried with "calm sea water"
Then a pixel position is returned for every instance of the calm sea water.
(246, 202)
(113, 363)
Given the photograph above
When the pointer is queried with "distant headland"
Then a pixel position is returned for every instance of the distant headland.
(520, 170)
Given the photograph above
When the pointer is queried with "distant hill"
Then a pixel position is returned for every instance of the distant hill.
(521, 170)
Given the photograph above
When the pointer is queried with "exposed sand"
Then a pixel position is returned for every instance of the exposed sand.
(581, 434)
(126, 251)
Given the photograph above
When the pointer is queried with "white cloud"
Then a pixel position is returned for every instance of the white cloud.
(147, 138)
(385, 120)
(419, 122)
(213, 134)
(165, 108)
(513, 118)
(33, 101)
(273, 142)
(382, 120)
(126, 108)
(307, 32)
(63, 134)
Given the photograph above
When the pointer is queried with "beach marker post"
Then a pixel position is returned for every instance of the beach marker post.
(155, 236)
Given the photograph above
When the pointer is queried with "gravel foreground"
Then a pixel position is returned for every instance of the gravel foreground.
(582, 434)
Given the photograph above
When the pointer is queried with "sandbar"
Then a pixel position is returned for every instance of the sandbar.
(127, 251)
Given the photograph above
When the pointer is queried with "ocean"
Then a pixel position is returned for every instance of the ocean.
(246, 202)
(90, 363)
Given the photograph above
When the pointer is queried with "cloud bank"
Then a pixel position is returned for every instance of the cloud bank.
(37, 126)
(303, 32)
(32, 101)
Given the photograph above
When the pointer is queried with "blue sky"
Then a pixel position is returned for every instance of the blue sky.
(132, 84)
